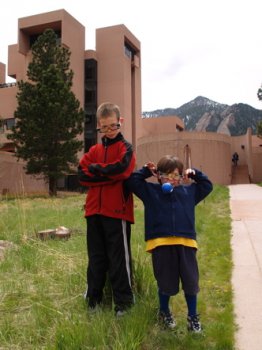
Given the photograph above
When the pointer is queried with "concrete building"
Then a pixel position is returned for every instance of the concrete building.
(112, 72)
(209, 151)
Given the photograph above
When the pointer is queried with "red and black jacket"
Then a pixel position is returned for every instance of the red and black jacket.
(103, 170)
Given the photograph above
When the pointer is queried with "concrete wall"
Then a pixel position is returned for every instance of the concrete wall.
(210, 152)
(8, 105)
(161, 125)
(17, 63)
(72, 36)
(8, 102)
(13, 179)
(257, 158)
(257, 162)
(119, 75)
(2, 73)
(19, 56)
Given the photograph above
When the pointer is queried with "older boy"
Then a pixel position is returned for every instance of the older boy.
(108, 211)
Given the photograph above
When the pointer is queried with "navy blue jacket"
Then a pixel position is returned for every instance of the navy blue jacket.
(169, 214)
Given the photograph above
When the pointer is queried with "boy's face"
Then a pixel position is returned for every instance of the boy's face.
(109, 126)
(174, 177)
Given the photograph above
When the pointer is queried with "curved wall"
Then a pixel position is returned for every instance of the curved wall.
(210, 152)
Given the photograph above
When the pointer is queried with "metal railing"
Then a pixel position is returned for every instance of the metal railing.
(6, 85)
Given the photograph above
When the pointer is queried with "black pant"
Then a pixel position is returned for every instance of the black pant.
(108, 247)
(175, 263)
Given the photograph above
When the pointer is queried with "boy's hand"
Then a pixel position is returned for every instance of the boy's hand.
(93, 170)
(190, 173)
(151, 166)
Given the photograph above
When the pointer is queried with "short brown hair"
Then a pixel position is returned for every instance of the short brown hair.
(107, 109)
(168, 164)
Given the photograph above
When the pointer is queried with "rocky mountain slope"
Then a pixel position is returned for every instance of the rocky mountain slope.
(202, 114)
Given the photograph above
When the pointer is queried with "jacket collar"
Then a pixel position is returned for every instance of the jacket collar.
(106, 141)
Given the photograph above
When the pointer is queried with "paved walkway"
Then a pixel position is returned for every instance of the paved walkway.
(246, 212)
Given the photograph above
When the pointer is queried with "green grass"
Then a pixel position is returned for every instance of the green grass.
(42, 282)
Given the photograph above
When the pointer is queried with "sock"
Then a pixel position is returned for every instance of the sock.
(191, 301)
(163, 302)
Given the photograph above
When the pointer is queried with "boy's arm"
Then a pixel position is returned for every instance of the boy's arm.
(87, 177)
(121, 168)
(203, 185)
(136, 183)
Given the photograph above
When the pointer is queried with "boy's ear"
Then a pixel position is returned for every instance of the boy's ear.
(121, 120)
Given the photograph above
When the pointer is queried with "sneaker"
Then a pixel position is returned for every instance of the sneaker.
(94, 309)
(121, 310)
(93, 305)
(193, 324)
(167, 319)
(120, 313)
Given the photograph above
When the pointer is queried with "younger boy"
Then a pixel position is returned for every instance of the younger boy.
(108, 211)
(170, 231)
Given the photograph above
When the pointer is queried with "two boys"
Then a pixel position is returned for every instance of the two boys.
(107, 169)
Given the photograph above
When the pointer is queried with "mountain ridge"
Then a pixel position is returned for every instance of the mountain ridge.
(203, 114)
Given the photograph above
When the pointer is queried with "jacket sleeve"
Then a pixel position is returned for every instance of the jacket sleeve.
(203, 185)
(121, 168)
(88, 178)
(137, 183)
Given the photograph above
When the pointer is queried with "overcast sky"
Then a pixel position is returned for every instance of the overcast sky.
(189, 48)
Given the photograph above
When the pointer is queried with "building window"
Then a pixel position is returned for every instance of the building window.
(6, 124)
(9, 123)
(90, 96)
(90, 73)
(90, 134)
(89, 142)
(130, 51)
(2, 123)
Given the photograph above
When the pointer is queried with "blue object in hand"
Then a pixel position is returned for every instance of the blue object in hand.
(167, 187)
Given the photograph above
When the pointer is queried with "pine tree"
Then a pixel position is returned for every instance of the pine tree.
(48, 115)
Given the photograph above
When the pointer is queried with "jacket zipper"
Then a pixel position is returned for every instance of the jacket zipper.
(101, 188)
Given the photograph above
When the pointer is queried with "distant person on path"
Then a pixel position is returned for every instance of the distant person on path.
(235, 158)
(170, 231)
(108, 211)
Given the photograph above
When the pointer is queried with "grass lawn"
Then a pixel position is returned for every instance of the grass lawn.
(42, 282)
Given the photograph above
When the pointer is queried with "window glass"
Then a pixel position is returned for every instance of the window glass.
(9, 123)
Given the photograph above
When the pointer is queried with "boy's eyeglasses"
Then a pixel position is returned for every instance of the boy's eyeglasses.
(106, 128)
(170, 177)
